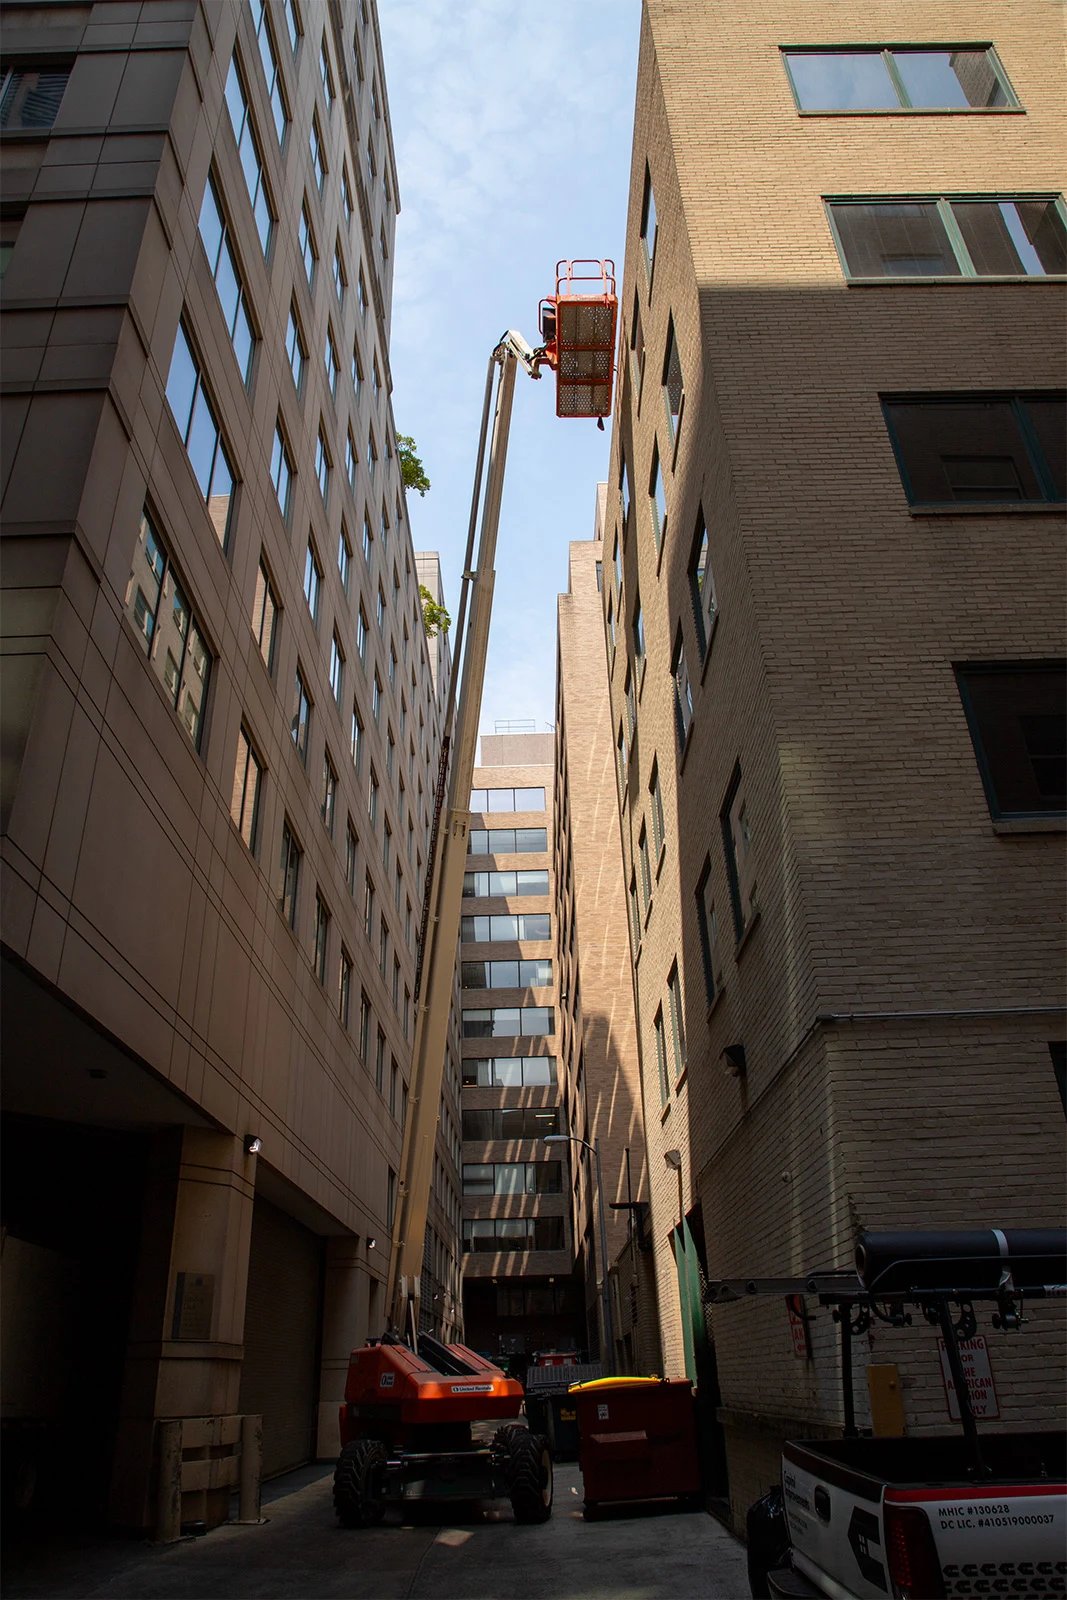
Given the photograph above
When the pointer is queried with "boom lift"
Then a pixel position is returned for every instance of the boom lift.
(416, 1410)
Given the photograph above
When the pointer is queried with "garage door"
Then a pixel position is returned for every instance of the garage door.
(279, 1379)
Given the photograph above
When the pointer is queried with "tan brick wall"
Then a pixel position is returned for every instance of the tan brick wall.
(882, 883)
(594, 894)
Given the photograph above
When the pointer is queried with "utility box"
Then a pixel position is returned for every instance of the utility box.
(637, 1441)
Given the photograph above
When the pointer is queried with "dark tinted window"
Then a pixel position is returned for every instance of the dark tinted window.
(1017, 714)
(967, 449)
(944, 79)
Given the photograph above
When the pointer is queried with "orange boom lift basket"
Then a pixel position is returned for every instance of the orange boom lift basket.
(578, 329)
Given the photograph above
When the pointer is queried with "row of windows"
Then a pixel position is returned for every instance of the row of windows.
(501, 1235)
(506, 841)
(509, 1072)
(512, 1177)
(526, 925)
(532, 974)
(511, 1122)
(481, 885)
(508, 1022)
(486, 800)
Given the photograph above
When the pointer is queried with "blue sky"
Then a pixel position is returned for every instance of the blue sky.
(512, 122)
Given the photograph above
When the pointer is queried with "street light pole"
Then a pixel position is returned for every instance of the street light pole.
(609, 1325)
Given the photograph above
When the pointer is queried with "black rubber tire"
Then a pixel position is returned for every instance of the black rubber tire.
(358, 1484)
(529, 1475)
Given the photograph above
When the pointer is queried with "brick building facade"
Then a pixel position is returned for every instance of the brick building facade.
(837, 698)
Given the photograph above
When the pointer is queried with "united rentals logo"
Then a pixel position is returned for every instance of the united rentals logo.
(472, 1388)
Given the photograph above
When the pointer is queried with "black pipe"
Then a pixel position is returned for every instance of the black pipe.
(976, 1258)
(844, 1314)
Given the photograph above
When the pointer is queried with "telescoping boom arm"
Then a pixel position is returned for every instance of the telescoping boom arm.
(448, 850)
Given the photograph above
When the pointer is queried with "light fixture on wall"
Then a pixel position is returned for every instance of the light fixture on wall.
(253, 1144)
(673, 1158)
(733, 1059)
(372, 1244)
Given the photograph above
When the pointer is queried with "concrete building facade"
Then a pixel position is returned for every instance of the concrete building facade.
(220, 725)
(522, 1239)
(837, 703)
(596, 977)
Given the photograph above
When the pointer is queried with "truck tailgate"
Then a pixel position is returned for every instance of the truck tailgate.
(982, 1541)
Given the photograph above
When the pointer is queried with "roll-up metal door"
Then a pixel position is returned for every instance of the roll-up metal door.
(279, 1378)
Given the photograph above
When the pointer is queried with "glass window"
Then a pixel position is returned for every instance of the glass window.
(661, 1058)
(709, 931)
(657, 498)
(361, 293)
(333, 367)
(322, 466)
(649, 227)
(337, 668)
(292, 22)
(163, 618)
(1017, 716)
(973, 448)
(248, 151)
(646, 873)
(357, 370)
(322, 937)
(312, 581)
(677, 1020)
(950, 238)
(215, 237)
(308, 252)
(736, 825)
(638, 636)
(351, 857)
(683, 691)
(292, 856)
(244, 800)
(344, 557)
(340, 279)
(925, 79)
(295, 348)
(702, 585)
(270, 67)
(30, 97)
(265, 616)
(356, 742)
(637, 346)
(656, 809)
(344, 987)
(300, 724)
(326, 74)
(281, 470)
(318, 153)
(672, 380)
(200, 434)
(346, 194)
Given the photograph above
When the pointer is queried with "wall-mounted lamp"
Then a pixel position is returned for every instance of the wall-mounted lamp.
(733, 1059)
(371, 1244)
(673, 1158)
(253, 1144)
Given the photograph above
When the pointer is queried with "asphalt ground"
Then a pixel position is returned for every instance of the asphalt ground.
(635, 1553)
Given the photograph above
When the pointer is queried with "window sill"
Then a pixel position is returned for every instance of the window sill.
(665, 1113)
(661, 540)
(989, 508)
(680, 1080)
(941, 282)
(753, 924)
(917, 111)
(1024, 825)
(647, 914)
(714, 1006)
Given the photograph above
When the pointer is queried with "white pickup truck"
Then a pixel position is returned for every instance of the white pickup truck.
(872, 1518)
(946, 1517)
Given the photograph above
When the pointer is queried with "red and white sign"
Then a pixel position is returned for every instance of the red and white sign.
(974, 1358)
(798, 1325)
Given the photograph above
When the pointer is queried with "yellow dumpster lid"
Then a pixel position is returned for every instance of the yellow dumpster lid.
(611, 1383)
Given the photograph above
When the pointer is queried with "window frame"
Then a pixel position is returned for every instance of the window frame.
(944, 201)
(1016, 400)
(967, 671)
(904, 108)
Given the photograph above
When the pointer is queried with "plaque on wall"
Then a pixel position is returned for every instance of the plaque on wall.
(194, 1301)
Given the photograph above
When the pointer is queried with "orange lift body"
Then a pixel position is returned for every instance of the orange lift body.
(578, 326)
(390, 1389)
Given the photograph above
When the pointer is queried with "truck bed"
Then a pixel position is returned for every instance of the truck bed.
(940, 1460)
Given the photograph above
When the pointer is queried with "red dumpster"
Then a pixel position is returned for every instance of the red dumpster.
(637, 1440)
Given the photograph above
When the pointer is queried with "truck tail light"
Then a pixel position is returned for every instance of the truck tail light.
(912, 1553)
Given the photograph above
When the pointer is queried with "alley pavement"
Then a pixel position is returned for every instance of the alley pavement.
(299, 1551)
